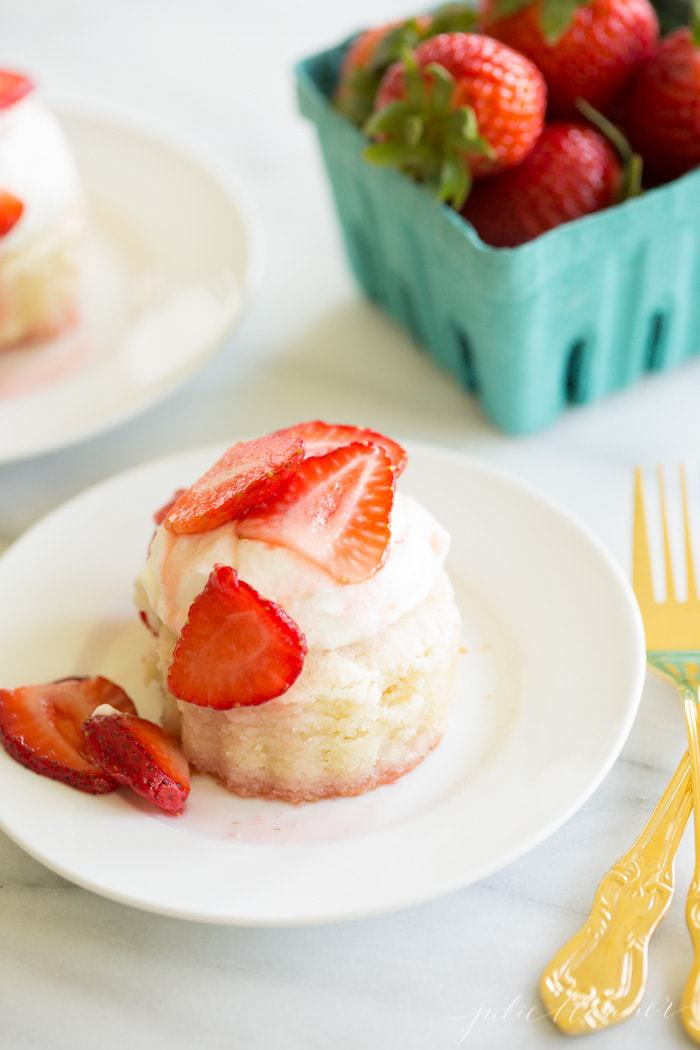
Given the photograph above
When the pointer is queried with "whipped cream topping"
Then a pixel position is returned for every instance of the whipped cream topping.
(104, 711)
(330, 614)
(36, 165)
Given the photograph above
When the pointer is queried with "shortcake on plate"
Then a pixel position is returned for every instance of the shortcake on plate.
(307, 635)
(42, 217)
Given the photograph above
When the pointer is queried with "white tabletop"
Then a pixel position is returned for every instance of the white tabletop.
(76, 970)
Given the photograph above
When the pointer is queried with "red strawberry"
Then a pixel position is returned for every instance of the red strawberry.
(320, 437)
(13, 87)
(41, 727)
(141, 755)
(372, 52)
(572, 171)
(161, 514)
(237, 649)
(663, 108)
(244, 476)
(590, 53)
(364, 64)
(11, 209)
(466, 105)
(335, 509)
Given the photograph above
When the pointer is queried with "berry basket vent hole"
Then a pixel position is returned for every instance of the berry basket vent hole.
(575, 372)
(657, 341)
(465, 351)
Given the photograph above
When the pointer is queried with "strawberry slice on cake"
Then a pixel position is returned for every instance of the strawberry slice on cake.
(335, 509)
(236, 649)
(320, 437)
(245, 475)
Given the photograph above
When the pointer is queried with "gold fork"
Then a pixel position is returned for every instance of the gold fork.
(597, 979)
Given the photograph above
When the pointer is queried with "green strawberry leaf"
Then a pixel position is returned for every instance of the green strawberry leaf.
(412, 129)
(391, 47)
(441, 87)
(454, 182)
(390, 154)
(461, 125)
(453, 18)
(695, 21)
(506, 8)
(356, 100)
(387, 120)
(556, 17)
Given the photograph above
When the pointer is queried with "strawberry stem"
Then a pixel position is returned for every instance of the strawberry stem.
(632, 164)
(425, 136)
(695, 21)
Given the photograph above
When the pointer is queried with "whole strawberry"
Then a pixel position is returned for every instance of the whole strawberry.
(572, 171)
(584, 49)
(365, 61)
(463, 105)
(663, 108)
(372, 52)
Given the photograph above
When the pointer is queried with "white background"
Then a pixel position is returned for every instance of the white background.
(78, 971)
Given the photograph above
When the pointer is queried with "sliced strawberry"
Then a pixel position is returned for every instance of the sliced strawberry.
(320, 437)
(41, 727)
(138, 753)
(13, 87)
(162, 512)
(11, 209)
(336, 509)
(245, 475)
(237, 649)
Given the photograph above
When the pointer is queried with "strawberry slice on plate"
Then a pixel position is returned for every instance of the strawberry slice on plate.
(237, 648)
(320, 437)
(141, 755)
(336, 509)
(13, 87)
(246, 474)
(41, 727)
(11, 209)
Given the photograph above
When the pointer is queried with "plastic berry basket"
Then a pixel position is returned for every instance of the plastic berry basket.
(582, 311)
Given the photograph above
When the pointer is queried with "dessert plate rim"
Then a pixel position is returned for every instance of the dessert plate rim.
(216, 904)
(229, 185)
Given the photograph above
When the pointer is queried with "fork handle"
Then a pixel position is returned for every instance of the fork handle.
(597, 979)
(690, 1003)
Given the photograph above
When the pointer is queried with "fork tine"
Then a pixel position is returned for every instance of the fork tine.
(668, 560)
(642, 579)
(689, 559)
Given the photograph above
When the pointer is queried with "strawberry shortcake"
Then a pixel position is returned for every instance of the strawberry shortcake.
(307, 635)
(42, 217)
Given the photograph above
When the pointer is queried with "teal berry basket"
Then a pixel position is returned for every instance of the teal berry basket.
(584, 310)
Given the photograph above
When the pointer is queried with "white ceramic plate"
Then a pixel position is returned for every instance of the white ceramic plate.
(168, 267)
(550, 687)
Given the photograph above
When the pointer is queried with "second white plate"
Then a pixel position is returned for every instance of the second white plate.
(169, 265)
(550, 686)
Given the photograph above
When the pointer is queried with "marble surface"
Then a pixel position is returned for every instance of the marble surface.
(76, 970)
